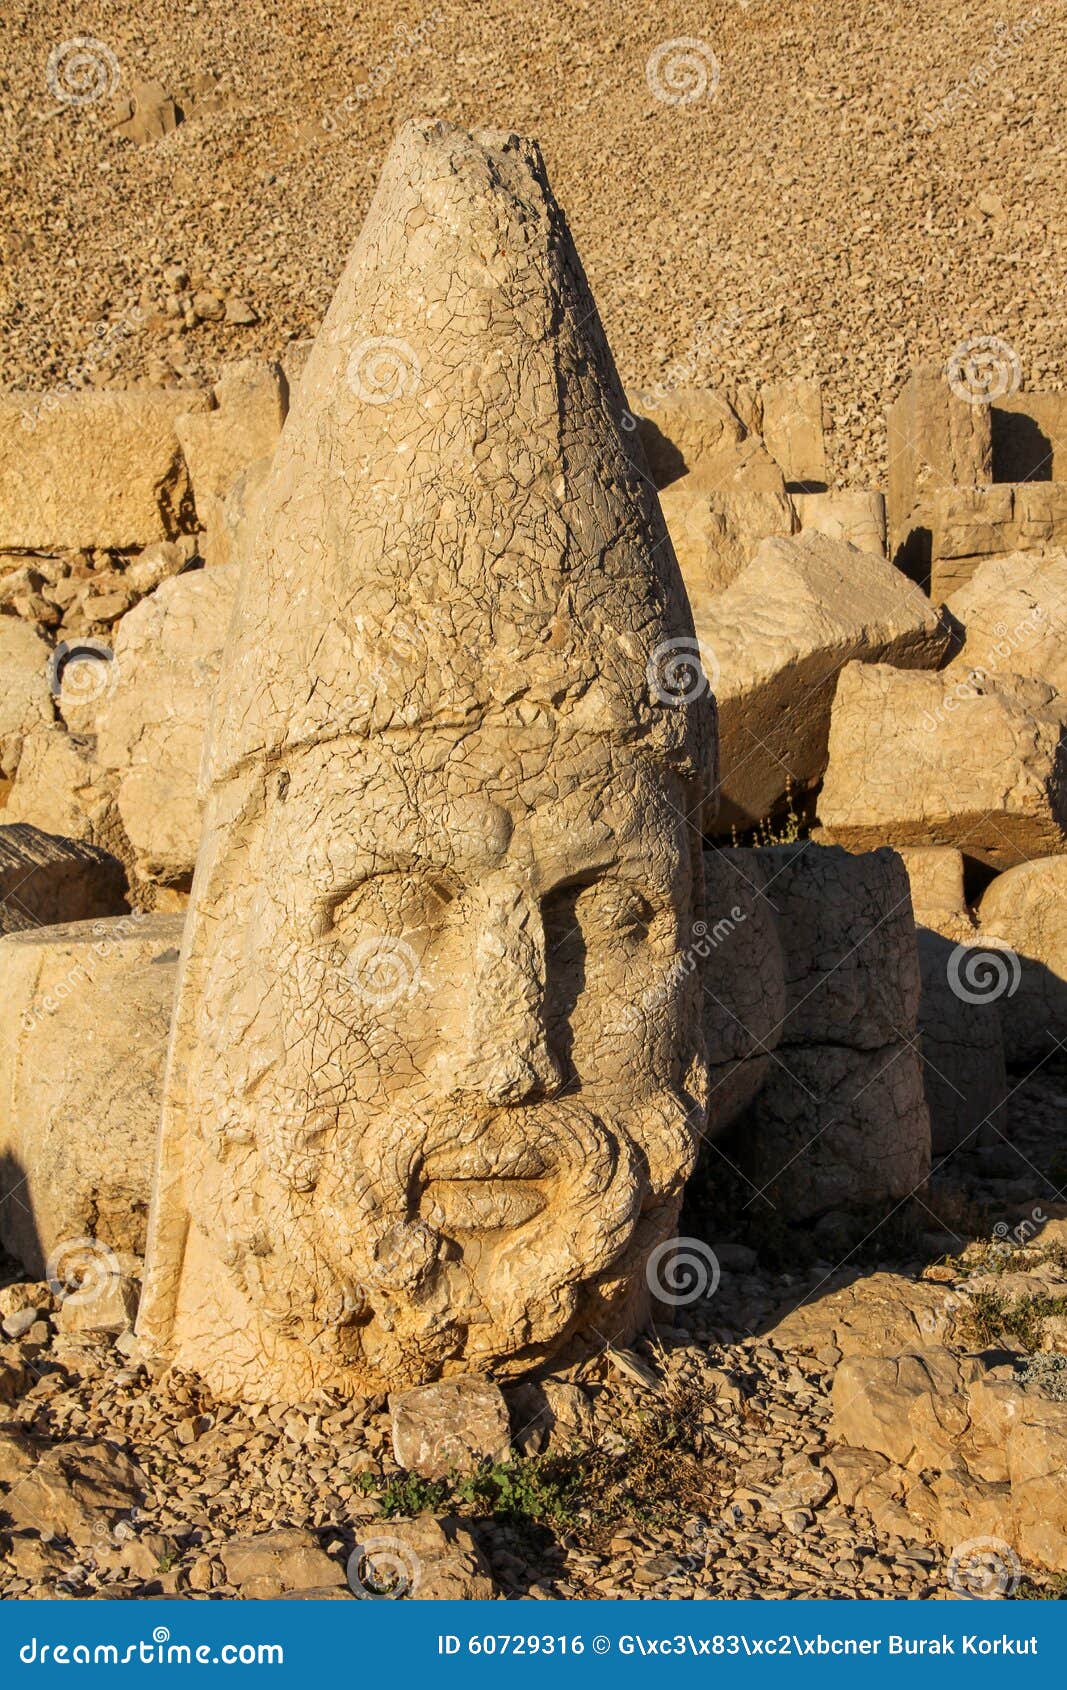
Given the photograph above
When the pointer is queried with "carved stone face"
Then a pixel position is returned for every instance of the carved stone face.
(445, 1142)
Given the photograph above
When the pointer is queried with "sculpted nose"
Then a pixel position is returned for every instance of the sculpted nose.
(506, 1056)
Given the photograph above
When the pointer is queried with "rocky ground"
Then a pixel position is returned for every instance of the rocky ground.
(843, 191)
(707, 1462)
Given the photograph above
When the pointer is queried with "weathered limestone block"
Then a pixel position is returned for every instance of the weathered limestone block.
(962, 1042)
(696, 432)
(835, 1128)
(715, 534)
(841, 1119)
(1026, 910)
(935, 441)
(938, 900)
(452, 1426)
(773, 645)
(430, 1560)
(408, 1130)
(45, 879)
(1013, 611)
(969, 525)
(83, 1036)
(25, 689)
(857, 518)
(792, 429)
(252, 398)
(935, 760)
(93, 469)
(744, 981)
(55, 787)
(848, 944)
(150, 728)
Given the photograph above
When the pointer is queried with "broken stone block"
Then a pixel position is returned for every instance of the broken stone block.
(1025, 909)
(83, 1034)
(772, 647)
(270, 1564)
(938, 900)
(743, 978)
(969, 525)
(835, 1128)
(962, 1047)
(935, 441)
(715, 534)
(150, 727)
(792, 430)
(847, 941)
(25, 689)
(78, 1489)
(98, 469)
(45, 879)
(147, 115)
(695, 431)
(54, 788)
(1013, 613)
(932, 759)
(252, 399)
(422, 1560)
(857, 518)
(452, 1426)
(110, 1308)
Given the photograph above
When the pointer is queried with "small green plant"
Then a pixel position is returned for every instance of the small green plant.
(409, 1493)
(167, 1560)
(994, 1319)
(1054, 1590)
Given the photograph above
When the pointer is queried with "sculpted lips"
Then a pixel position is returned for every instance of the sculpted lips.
(485, 1185)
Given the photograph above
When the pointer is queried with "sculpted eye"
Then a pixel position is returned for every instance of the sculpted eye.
(394, 903)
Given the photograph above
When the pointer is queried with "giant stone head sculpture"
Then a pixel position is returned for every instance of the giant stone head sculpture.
(437, 1069)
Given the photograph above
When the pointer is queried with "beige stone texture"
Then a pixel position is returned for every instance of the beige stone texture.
(272, 1564)
(96, 469)
(407, 1132)
(715, 534)
(1013, 614)
(695, 431)
(938, 900)
(970, 525)
(426, 1559)
(962, 1042)
(877, 1314)
(251, 399)
(452, 1426)
(773, 646)
(856, 517)
(25, 689)
(150, 727)
(946, 759)
(45, 878)
(792, 429)
(1025, 909)
(83, 1034)
(935, 441)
